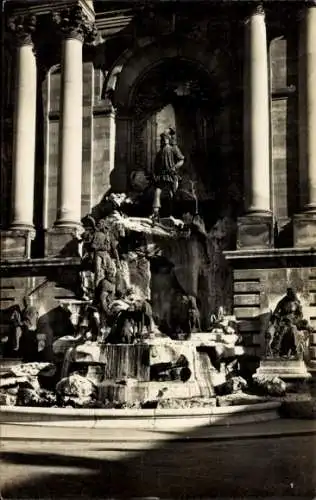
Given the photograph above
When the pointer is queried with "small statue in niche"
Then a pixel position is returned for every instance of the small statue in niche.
(168, 160)
(194, 323)
(288, 332)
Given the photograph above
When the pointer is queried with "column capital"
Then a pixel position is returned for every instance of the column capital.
(257, 9)
(254, 9)
(74, 23)
(22, 27)
(301, 13)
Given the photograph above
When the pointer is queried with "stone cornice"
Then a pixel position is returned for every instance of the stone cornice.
(42, 8)
(8, 266)
(22, 27)
(274, 257)
(112, 22)
(74, 23)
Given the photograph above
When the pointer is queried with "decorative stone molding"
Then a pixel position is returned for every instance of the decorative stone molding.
(23, 28)
(74, 23)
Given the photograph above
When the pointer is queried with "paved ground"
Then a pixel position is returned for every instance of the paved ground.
(268, 460)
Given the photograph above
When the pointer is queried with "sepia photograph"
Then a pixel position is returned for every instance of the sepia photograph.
(158, 250)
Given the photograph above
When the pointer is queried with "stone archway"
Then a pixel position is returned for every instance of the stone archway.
(170, 63)
(180, 81)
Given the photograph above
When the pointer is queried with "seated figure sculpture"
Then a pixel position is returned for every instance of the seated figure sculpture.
(288, 332)
(168, 160)
(130, 315)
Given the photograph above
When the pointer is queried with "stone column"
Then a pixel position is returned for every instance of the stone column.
(24, 129)
(70, 132)
(255, 227)
(305, 221)
(75, 28)
(16, 242)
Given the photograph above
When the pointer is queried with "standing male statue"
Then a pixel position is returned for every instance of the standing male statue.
(168, 160)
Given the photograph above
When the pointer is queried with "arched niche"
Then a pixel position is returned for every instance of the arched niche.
(157, 80)
(175, 93)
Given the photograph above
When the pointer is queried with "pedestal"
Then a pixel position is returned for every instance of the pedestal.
(255, 231)
(16, 244)
(305, 230)
(292, 371)
(61, 241)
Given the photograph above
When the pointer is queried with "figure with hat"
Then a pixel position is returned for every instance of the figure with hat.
(167, 163)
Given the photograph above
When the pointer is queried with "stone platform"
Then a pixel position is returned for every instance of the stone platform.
(286, 369)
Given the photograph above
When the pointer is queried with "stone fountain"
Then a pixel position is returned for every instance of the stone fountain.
(138, 346)
(143, 331)
(144, 282)
(146, 330)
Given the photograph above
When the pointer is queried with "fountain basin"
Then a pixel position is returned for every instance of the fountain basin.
(145, 419)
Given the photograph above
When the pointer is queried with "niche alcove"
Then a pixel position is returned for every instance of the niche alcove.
(179, 94)
(182, 84)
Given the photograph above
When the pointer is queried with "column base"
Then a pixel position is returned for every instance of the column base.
(16, 243)
(255, 231)
(304, 230)
(62, 241)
